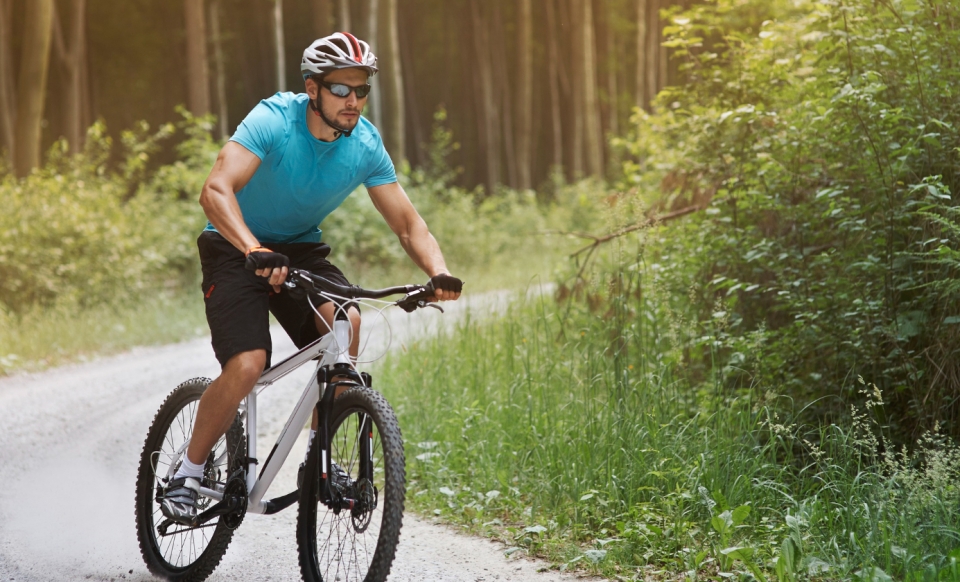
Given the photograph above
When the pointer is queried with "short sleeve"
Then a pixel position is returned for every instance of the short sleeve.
(381, 168)
(261, 130)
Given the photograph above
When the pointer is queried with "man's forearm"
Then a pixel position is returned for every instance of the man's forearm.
(224, 214)
(423, 248)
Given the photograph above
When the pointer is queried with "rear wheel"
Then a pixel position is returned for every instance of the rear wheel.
(173, 551)
(358, 543)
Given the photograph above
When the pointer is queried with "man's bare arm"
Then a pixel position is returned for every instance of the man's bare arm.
(404, 220)
(234, 167)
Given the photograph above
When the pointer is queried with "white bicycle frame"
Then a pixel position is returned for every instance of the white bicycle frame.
(332, 348)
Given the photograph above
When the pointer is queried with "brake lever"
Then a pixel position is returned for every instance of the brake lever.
(433, 305)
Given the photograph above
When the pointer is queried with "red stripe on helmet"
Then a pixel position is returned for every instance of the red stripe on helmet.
(356, 46)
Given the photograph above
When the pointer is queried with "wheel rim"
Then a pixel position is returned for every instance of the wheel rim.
(183, 546)
(347, 541)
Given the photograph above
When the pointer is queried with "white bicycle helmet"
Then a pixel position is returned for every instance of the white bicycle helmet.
(340, 50)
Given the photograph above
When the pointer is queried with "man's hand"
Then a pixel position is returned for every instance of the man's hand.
(446, 287)
(267, 263)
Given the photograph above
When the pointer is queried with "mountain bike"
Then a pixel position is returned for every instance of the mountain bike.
(350, 500)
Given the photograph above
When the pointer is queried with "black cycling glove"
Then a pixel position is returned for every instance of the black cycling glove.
(447, 283)
(263, 258)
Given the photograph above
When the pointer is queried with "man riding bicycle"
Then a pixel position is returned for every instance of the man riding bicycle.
(293, 160)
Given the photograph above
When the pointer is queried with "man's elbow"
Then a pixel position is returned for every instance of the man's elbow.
(208, 194)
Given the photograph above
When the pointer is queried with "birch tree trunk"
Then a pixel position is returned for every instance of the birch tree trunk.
(32, 84)
(322, 18)
(525, 94)
(489, 130)
(8, 102)
(392, 75)
(553, 56)
(343, 14)
(376, 97)
(198, 71)
(642, 49)
(591, 104)
(221, 71)
(278, 47)
(71, 53)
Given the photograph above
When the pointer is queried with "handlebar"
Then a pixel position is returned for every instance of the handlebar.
(415, 295)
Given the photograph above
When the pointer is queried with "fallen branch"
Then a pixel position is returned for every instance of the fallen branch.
(645, 223)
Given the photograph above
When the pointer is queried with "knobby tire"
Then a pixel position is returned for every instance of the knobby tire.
(332, 546)
(172, 423)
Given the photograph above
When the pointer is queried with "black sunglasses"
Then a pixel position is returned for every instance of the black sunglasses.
(341, 90)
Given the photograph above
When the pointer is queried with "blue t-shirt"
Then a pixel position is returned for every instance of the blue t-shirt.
(302, 179)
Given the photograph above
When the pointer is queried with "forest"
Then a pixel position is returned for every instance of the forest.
(744, 209)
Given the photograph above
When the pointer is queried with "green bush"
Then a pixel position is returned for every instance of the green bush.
(79, 232)
(823, 147)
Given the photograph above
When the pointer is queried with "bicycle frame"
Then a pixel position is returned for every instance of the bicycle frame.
(332, 349)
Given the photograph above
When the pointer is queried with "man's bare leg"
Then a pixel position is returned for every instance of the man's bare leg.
(219, 403)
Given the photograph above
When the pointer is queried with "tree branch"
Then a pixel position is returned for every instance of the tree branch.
(645, 223)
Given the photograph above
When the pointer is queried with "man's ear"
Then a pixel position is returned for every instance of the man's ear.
(311, 87)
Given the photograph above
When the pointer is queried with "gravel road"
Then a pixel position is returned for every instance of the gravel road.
(70, 440)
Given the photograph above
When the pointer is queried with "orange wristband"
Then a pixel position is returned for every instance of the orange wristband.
(251, 249)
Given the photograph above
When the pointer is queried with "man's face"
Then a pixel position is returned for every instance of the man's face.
(343, 111)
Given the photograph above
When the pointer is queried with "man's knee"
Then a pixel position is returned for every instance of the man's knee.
(246, 367)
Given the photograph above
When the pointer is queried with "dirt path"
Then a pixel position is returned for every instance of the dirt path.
(70, 439)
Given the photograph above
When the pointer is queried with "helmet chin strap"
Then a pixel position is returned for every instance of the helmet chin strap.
(319, 111)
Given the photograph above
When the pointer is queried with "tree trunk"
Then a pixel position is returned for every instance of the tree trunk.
(8, 102)
(577, 88)
(553, 57)
(591, 102)
(642, 49)
(343, 13)
(525, 94)
(653, 51)
(376, 97)
(415, 139)
(392, 71)
(32, 84)
(489, 130)
(278, 47)
(322, 18)
(611, 67)
(505, 92)
(198, 72)
(221, 71)
(71, 53)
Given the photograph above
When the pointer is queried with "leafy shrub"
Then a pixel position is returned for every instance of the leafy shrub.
(823, 148)
(77, 231)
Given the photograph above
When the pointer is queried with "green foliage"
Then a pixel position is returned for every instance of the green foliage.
(78, 232)
(571, 430)
(823, 145)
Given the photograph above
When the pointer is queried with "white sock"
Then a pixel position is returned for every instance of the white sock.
(188, 469)
(313, 433)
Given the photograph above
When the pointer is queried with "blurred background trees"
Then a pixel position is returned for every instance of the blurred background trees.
(528, 86)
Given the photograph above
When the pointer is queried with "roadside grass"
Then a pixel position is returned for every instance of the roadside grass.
(568, 433)
(63, 333)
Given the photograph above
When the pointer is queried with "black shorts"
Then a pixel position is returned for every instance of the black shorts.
(237, 300)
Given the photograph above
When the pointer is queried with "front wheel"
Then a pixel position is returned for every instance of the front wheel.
(353, 537)
(172, 551)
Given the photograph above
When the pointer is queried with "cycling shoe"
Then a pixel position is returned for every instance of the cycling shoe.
(179, 500)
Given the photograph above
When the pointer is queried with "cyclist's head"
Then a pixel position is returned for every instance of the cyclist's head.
(340, 50)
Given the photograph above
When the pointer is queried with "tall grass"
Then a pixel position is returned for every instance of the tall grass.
(571, 429)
